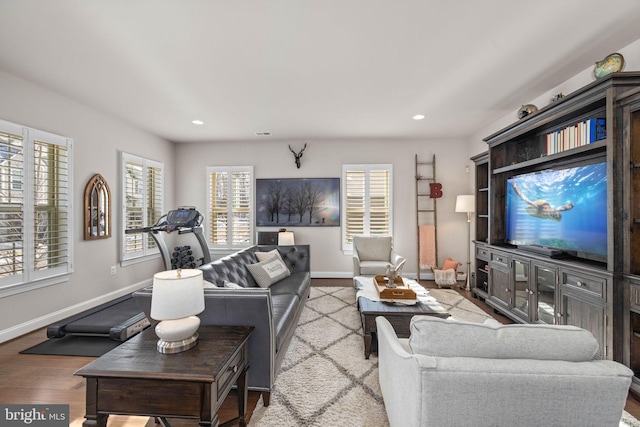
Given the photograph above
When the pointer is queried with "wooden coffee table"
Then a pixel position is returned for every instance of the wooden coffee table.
(398, 314)
(135, 379)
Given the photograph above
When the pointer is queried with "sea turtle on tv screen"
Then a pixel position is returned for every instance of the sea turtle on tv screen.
(542, 208)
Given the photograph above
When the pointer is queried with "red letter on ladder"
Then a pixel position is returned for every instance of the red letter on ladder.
(435, 190)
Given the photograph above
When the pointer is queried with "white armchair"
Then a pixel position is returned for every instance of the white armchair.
(500, 375)
(373, 254)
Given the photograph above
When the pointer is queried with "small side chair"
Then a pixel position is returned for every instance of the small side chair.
(373, 254)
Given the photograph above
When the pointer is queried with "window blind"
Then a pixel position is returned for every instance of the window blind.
(143, 204)
(51, 203)
(230, 206)
(35, 208)
(11, 205)
(367, 194)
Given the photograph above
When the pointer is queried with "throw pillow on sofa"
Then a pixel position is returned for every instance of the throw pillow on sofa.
(232, 285)
(432, 336)
(268, 272)
(265, 256)
(208, 284)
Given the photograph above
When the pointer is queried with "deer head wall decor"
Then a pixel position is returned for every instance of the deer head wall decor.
(298, 154)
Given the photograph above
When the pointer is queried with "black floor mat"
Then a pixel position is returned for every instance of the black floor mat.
(74, 345)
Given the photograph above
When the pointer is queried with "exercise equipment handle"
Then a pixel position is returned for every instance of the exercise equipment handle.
(152, 229)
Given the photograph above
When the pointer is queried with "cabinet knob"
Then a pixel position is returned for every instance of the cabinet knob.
(579, 284)
(531, 292)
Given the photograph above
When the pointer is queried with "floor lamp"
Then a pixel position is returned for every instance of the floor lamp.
(466, 204)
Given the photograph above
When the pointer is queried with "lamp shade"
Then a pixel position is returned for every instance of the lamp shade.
(285, 238)
(466, 203)
(177, 294)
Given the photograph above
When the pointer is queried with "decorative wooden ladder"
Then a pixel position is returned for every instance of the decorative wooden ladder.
(426, 212)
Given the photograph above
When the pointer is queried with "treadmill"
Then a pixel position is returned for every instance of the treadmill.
(122, 318)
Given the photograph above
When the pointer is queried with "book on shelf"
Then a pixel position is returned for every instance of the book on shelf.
(577, 135)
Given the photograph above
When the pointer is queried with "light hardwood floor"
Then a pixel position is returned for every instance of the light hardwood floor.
(38, 379)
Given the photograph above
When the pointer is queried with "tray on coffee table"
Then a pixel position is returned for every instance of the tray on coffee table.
(400, 291)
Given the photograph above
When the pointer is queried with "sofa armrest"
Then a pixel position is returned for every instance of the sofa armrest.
(356, 264)
(398, 375)
(247, 307)
(239, 307)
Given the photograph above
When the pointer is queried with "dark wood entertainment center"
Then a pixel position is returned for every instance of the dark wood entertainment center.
(528, 287)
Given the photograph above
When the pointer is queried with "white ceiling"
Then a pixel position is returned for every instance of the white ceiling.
(308, 69)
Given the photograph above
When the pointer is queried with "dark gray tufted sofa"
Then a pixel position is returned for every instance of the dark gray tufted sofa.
(273, 312)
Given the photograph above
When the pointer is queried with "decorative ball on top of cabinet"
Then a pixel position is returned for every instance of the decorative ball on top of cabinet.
(610, 64)
(526, 110)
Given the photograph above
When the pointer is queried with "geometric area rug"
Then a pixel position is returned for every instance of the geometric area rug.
(458, 306)
(325, 380)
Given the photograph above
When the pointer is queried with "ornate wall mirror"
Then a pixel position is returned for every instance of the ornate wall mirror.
(97, 209)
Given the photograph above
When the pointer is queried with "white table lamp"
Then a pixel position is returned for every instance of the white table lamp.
(467, 204)
(178, 295)
(285, 238)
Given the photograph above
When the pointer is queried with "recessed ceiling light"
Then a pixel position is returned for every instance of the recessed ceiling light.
(418, 117)
(263, 133)
(197, 122)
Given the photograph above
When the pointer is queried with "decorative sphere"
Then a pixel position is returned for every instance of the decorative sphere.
(610, 64)
(526, 109)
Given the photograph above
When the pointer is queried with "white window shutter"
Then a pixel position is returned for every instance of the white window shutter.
(142, 204)
(36, 215)
(230, 192)
(367, 201)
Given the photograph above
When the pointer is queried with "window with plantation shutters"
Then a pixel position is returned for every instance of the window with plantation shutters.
(35, 208)
(366, 201)
(142, 205)
(230, 194)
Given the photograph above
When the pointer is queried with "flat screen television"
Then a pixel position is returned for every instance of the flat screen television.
(560, 211)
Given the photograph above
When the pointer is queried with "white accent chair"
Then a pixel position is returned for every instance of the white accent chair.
(497, 375)
(373, 254)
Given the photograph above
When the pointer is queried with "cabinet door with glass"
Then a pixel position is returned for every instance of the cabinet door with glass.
(500, 281)
(544, 293)
(521, 288)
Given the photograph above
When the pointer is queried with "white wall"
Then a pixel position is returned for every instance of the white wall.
(98, 140)
(476, 144)
(324, 159)
(631, 55)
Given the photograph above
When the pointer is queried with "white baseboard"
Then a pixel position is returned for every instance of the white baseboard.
(349, 275)
(331, 275)
(47, 319)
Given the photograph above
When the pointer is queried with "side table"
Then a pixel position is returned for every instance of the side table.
(135, 379)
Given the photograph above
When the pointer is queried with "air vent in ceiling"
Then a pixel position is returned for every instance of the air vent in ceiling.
(263, 133)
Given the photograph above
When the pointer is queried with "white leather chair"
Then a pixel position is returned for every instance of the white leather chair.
(373, 254)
